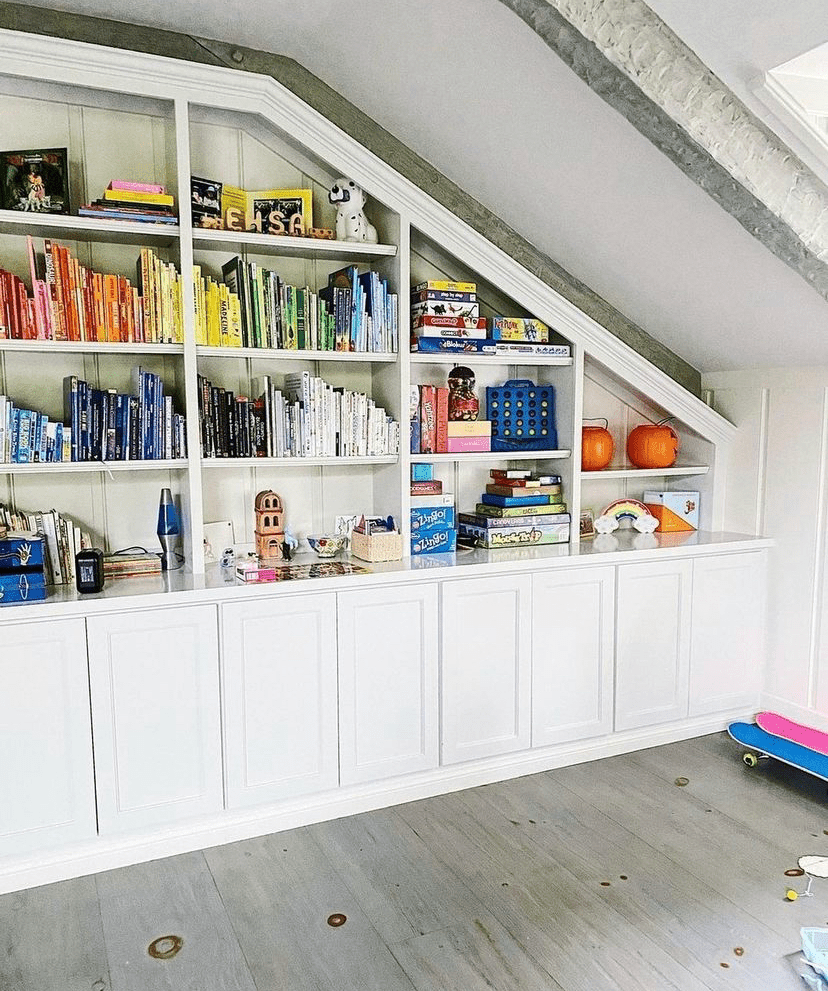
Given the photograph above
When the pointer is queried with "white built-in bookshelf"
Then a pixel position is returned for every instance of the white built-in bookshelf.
(130, 126)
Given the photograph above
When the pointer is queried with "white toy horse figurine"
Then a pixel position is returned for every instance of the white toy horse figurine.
(351, 222)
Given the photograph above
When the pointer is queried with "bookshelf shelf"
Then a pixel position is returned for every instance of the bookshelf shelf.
(420, 358)
(76, 467)
(631, 472)
(304, 355)
(90, 347)
(497, 456)
(300, 247)
(385, 459)
(88, 229)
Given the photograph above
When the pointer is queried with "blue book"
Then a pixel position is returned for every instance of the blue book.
(497, 500)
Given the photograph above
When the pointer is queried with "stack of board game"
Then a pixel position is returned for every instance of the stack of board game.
(445, 319)
(147, 202)
(519, 508)
(433, 520)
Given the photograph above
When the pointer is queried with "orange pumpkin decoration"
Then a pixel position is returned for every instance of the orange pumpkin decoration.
(596, 448)
(653, 445)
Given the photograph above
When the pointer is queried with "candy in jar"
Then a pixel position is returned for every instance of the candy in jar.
(462, 402)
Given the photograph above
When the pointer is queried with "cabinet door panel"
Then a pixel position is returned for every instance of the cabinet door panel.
(155, 713)
(573, 642)
(388, 695)
(486, 667)
(653, 643)
(46, 776)
(728, 632)
(280, 697)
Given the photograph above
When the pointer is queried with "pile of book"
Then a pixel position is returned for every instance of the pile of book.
(27, 436)
(106, 425)
(62, 539)
(308, 418)
(256, 308)
(146, 202)
(131, 565)
(519, 508)
(70, 302)
(445, 319)
(431, 431)
(433, 522)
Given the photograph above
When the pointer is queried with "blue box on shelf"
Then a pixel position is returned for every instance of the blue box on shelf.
(522, 416)
(422, 472)
(22, 577)
(440, 541)
(430, 518)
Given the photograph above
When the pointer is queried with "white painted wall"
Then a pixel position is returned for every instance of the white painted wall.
(776, 485)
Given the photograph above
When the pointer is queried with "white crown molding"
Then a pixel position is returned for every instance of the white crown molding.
(70, 62)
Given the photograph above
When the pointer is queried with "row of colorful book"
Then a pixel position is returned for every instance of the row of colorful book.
(307, 418)
(520, 508)
(70, 302)
(445, 319)
(432, 432)
(28, 436)
(257, 308)
(433, 516)
(145, 202)
(110, 426)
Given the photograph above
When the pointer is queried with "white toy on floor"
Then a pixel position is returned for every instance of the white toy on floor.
(351, 222)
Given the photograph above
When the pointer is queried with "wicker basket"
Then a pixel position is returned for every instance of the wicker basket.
(377, 546)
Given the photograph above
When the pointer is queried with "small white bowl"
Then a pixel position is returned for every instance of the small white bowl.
(327, 545)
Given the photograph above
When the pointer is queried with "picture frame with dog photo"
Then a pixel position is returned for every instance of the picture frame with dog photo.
(280, 211)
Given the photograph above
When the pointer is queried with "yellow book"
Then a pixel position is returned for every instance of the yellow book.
(130, 196)
(178, 312)
(234, 208)
(224, 315)
(197, 304)
(235, 322)
(213, 315)
(165, 328)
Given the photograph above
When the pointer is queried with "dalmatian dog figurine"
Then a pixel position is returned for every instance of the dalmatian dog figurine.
(351, 222)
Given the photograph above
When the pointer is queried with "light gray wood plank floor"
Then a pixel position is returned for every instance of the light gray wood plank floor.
(604, 876)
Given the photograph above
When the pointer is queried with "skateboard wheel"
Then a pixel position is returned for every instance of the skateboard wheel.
(751, 760)
(791, 895)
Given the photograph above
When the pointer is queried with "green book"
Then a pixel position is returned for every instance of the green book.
(552, 508)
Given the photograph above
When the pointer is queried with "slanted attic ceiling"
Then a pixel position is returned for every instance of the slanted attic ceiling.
(473, 90)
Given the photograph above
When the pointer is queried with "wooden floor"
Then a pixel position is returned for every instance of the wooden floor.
(600, 877)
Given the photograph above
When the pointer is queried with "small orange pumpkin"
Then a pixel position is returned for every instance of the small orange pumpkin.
(596, 448)
(653, 445)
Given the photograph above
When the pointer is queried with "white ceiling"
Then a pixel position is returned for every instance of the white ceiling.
(473, 90)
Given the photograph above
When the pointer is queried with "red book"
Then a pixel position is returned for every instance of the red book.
(428, 419)
(442, 420)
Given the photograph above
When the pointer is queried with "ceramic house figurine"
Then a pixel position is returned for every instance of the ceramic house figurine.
(270, 527)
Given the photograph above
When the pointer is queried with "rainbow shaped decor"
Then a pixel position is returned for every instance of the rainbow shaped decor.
(626, 509)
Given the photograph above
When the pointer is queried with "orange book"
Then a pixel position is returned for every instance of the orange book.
(137, 317)
(76, 275)
(98, 306)
(56, 291)
(112, 308)
(68, 285)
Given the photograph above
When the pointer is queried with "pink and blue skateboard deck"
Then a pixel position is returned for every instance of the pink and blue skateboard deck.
(805, 736)
(787, 751)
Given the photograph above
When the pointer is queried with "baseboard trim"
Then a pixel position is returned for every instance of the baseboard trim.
(107, 853)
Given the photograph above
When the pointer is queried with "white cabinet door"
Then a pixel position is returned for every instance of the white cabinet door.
(652, 660)
(573, 645)
(155, 714)
(486, 667)
(47, 785)
(388, 671)
(279, 697)
(727, 651)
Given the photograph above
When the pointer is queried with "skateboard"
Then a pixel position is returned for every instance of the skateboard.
(805, 736)
(764, 744)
